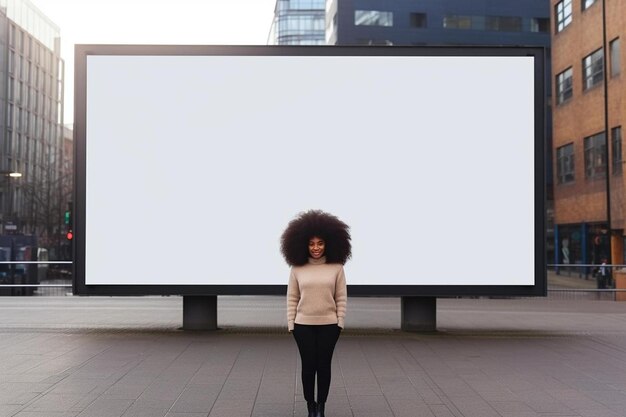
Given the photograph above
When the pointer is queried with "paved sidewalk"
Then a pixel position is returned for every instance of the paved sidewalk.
(111, 357)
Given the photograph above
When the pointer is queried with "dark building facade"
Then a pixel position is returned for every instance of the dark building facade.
(438, 22)
(31, 129)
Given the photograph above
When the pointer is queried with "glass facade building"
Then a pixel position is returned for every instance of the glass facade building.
(298, 22)
(34, 190)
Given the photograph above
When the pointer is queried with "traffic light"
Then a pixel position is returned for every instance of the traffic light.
(68, 215)
(69, 222)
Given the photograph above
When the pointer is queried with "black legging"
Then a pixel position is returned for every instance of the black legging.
(316, 344)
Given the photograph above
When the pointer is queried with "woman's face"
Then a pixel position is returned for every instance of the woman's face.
(316, 247)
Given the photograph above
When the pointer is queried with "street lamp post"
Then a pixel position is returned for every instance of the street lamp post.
(10, 175)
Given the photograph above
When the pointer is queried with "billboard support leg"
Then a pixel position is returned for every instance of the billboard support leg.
(199, 312)
(418, 314)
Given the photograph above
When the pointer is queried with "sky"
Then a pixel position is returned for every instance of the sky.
(196, 22)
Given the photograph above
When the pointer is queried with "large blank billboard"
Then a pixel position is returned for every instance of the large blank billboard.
(192, 160)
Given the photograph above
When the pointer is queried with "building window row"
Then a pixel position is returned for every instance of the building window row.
(563, 12)
(594, 154)
(419, 20)
(298, 25)
(34, 75)
(30, 49)
(495, 23)
(301, 5)
(592, 71)
(29, 123)
(30, 99)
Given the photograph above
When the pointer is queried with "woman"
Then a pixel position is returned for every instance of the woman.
(316, 245)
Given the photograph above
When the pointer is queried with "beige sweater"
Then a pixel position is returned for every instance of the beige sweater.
(317, 294)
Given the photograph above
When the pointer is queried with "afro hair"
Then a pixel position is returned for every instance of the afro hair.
(294, 242)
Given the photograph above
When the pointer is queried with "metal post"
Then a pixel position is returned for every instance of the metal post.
(200, 312)
(557, 248)
(418, 314)
(584, 232)
(607, 133)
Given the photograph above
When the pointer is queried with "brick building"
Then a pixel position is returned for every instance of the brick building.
(581, 71)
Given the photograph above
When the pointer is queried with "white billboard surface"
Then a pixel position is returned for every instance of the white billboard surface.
(195, 165)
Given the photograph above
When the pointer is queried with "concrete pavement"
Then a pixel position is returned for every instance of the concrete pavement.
(113, 357)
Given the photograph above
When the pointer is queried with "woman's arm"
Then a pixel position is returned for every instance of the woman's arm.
(341, 297)
(293, 297)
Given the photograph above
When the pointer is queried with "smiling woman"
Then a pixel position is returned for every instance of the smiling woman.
(316, 296)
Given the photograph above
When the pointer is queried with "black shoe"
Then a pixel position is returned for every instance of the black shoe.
(312, 407)
(320, 410)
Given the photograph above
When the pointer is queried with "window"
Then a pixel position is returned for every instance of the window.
(564, 86)
(587, 3)
(615, 57)
(565, 163)
(595, 151)
(418, 20)
(563, 13)
(616, 149)
(503, 23)
(24, 90)
(373, 18)
(457, 22)
(539, 24)
(593, 69)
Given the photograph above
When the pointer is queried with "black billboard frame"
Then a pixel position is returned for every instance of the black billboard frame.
(81, 53)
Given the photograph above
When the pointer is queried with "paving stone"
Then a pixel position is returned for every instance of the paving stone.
(197, 398)
(273, 410)
(171, 414)
(54, 402)
(105, 407)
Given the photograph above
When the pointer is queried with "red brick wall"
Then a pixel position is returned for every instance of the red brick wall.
(583, 115)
